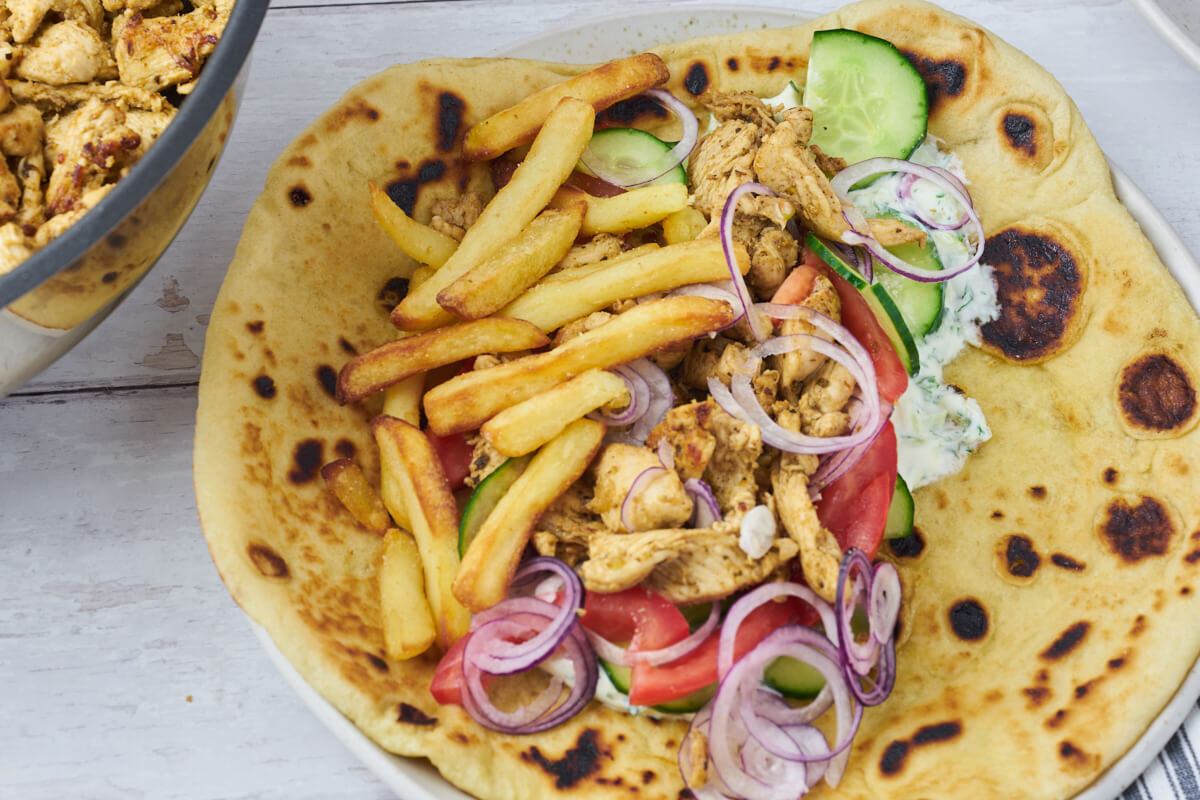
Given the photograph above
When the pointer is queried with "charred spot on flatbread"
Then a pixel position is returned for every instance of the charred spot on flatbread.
(1018, 557)
(451, 108)
(732, 63)
(633, 112)
(345, 448)
(895, 755)
(109, 277)
(327, 377)
(696, 79)
(1027, 134)
(1039, 285)
(1076, 758)
(909, 546)
(307, 459)
(968, 619)
(264, 387)
(1157, 396)
(576, 763)
(388, 298)
(1064, 561)
(943, 77)
(299, 196)
(404, 191)
(268, 563)
(1067, 641)
(1137, 529)
(411, 715)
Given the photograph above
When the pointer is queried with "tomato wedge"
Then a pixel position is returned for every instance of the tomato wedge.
(455, 455)
(447, 683)
(854, 508)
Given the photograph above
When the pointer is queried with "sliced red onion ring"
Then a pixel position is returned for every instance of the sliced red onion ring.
(672, 159)
(857, 235)
(506, 657)
(753, 599)
(666, 453)
(883, 603)
(909, 201)
(760, 326)
(742, 393)
(662, 397)
(860, 656)
(644, 479)
(705, 511)
(542, 714)
(719, 290)
(878, 652)
(639, 400)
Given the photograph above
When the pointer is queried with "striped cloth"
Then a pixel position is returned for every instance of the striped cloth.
(1175, 774)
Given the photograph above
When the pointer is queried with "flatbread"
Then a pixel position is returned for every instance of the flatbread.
(1050, 594)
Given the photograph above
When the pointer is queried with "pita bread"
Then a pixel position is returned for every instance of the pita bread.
(1050, 593)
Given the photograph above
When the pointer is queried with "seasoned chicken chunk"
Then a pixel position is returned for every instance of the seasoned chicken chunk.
(796, 366)
(600, 247)
(820, 554)
(67, 52)
(722, 161)
(683, 565)
(785, 164)
(661, 502)
(567, 527)
(155, 52)
(684, 429)
(57, 98)
(743, 106)
(731, 471)
(10, 193)
(14, 247)
(452, 216)
(21, 131)
(86, 146)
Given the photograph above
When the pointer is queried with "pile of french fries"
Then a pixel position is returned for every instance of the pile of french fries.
(495, 292)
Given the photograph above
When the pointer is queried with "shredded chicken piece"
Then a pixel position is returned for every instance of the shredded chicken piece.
(156, 52)
(785, 164)
(452, 216)
(722, 161)
(14, 248)
(580, 326)
(600, 247)
(484, 459)
(56, 98)
(86, 146)
(684, 428)
(10, 193)
(567, 527)
(21, 131)
(830, 165)
(796, 366)
(731, 471)
(891, 232)
(683, 565)
(67, 52)
(820, 554)
(743, 106)
(661, 502)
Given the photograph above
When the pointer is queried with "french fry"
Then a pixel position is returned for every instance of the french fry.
(601, 87)
(576, 272)
(465, 402)
(503, 276)
(421, 242)
(684, 225)
(403, 401)
(637, 208)
(528, 425)
(552, 157)
(412, 462)
(419, 276)
(551, 304)
(491, 559)
(408, 627)
(347, 482)
(391, 363)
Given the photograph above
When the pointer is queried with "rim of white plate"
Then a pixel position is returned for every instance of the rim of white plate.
(1185, 43)
(603, 39)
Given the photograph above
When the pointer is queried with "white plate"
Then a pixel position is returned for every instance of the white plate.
(1177, 21)
(416, 779)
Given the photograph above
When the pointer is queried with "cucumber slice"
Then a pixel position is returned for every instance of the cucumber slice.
(688, 704)
(632, 152)
(919, 302)
(900, 513)
(867, 99)
(880, 302)
(793, 678)
(485, 497)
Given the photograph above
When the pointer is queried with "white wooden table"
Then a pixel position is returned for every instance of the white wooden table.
(126, 671)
